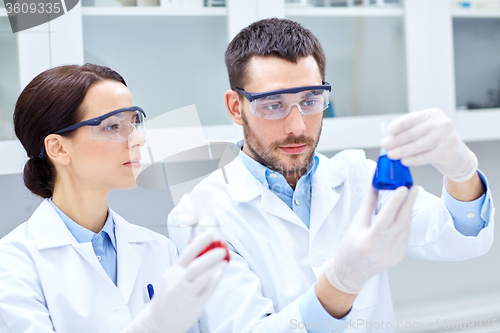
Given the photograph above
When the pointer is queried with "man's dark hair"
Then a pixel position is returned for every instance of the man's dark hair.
(274, 37)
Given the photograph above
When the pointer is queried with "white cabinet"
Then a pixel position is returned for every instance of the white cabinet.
(168, 61)
(366, 66)
(476, 38)
(366, 63)
(382, 61)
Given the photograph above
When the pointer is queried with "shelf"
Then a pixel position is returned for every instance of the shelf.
(478, 125)
(474, 13)
(153, 11)
(337, 134)
(352, 132)
(345, 11)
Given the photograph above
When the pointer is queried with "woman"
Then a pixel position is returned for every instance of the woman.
(75, 265)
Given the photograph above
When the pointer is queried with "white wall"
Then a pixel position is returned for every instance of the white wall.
(167, 62)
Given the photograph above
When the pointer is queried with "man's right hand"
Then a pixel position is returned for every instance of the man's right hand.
(369, 248)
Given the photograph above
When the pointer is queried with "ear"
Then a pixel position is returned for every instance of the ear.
(56, 150)
(233, 106)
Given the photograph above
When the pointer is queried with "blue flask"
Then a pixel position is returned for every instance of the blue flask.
(390, 174)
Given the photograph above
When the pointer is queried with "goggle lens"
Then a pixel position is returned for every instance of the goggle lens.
(279, 106)
(118, 127)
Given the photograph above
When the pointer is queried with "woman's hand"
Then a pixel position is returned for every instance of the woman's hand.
(184, 290)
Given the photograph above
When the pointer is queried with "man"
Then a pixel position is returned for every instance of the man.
(307, 254)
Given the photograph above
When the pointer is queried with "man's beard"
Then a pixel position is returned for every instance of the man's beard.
(267, 156)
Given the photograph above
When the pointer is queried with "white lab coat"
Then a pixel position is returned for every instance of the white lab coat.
(50, 282)
(275, 258)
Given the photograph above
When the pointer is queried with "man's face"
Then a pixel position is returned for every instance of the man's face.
(284, 145)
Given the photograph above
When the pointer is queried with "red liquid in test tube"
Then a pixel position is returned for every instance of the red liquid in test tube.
(214, 245)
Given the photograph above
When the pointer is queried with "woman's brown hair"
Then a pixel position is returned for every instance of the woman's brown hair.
(50, 102)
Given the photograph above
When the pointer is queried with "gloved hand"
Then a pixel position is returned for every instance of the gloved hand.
(370, 247)
(184, 290)
(429, 137)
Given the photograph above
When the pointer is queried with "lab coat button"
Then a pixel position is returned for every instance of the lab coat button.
(98, 258)
(297, 202)
(318, 262)
(470, 215)
(273, 175)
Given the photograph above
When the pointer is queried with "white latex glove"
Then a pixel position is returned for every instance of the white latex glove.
(369, 248)
(429, 137)
(184, 290)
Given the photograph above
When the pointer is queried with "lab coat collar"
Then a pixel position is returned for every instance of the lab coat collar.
(130, 232)
(244, 187)
(47, 228)
(49, 231)
(329, 175)
(331, 172)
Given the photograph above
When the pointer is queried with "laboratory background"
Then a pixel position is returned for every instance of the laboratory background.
(384, 58)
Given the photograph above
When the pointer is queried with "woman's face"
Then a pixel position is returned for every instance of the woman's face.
(104, 164)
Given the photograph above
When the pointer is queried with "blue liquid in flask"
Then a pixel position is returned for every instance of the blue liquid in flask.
(391, 174)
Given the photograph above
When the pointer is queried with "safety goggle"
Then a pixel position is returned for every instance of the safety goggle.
(277, 104)
(114, 126)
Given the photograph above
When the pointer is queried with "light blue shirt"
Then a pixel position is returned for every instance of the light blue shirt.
(469, 218)
(103, 243)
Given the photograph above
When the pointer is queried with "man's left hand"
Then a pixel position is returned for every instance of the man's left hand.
(429, 137)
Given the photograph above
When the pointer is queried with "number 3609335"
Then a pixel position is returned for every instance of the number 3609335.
(25, 8)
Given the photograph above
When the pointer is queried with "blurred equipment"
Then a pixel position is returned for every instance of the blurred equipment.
(342, 3)
(477, 4)
(214, 3)
(493, 101)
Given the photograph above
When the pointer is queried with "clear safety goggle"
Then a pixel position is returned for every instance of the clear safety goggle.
(114, 126)
(277, 104)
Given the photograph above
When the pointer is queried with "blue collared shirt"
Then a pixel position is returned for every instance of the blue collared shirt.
(469, 218)
(103, 243)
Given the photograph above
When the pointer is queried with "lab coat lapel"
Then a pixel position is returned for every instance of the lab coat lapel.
(272, 204)
(87, 252)
(49, 231)
(326, 189)
(243, 187)
(129, 248)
